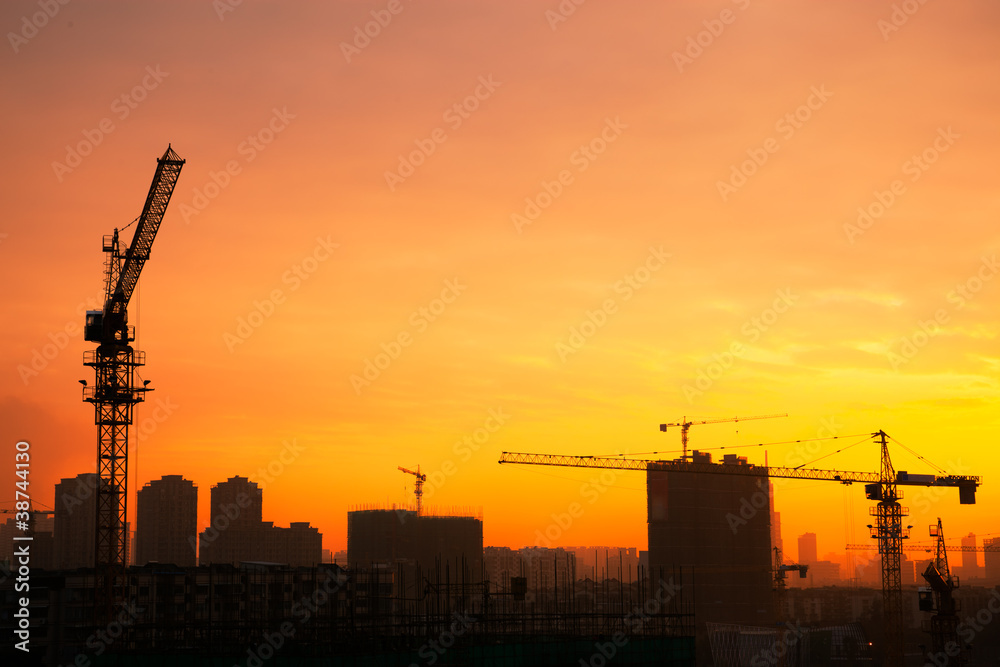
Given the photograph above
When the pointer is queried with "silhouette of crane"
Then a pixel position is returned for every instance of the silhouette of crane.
(685, 425)
(879, 486)
(418, 491)
(114, 393)
(779, 571)
(943, 626)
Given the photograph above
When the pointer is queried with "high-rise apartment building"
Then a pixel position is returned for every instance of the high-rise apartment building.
(167, 522)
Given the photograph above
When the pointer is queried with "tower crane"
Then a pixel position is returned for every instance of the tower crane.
(780, 569)
(880, 486)
(943, 626)
(114, 393)
(684, 424)
(418, 491)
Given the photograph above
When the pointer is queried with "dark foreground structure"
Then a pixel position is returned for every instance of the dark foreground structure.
(256, 613)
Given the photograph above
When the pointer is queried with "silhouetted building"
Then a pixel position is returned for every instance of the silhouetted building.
(548, 570)
(808, 553)
(167, 522)
(717, 528)
(249, 613)
(235, 519)
(970, 559)
(75, 520)
(599, 563)
(237, 534)
(502, 564)
(776, 540)
(991, 555)
(450, 546)
(827, 573)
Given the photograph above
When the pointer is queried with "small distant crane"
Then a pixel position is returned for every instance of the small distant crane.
(685, 425)
(419, 490)
(780, 568)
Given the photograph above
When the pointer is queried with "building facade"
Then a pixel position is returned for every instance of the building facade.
(166, 528)
(75, 522)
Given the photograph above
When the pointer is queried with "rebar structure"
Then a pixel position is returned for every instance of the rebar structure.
(114, 393)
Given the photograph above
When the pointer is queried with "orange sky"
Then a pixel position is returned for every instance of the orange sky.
(837, 107)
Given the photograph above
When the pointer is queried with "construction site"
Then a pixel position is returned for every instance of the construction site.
(416, 587)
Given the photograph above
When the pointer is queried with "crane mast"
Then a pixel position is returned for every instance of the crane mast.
(114, 393)
(418, 489)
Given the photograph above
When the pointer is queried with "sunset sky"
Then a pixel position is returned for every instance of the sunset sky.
(555, 226)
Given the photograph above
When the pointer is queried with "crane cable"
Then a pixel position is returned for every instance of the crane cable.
(922, 458)
(842, 449)
(759, 444)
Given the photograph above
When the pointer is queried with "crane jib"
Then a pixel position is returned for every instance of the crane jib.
(966, 483)
(109, 325)
(168, 170)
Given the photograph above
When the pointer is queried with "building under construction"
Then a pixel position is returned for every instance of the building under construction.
(717, 528)
(449, 548)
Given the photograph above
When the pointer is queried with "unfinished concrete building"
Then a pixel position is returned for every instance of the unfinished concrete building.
(716, 528)
(451, 546)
